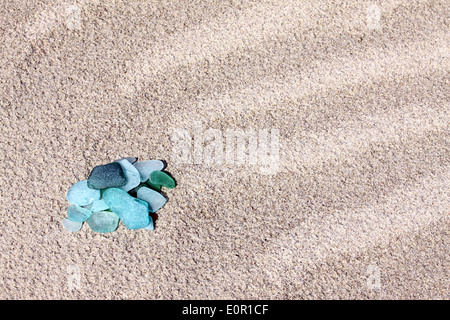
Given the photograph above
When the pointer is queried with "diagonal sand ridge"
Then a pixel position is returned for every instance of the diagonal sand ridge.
(235, 31)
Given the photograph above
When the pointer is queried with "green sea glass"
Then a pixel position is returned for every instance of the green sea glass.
(163, 179)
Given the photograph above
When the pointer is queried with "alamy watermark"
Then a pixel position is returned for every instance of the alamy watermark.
(373, 17)
(73, 277)
(60, 14)
(230, 147)
(373, 280)
(73, 17)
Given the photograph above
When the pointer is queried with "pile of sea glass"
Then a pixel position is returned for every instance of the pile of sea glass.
(127, 190)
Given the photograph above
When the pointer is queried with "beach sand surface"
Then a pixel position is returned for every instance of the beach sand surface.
(351, 98)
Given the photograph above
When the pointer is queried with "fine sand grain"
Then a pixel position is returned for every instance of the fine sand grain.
(353, 97)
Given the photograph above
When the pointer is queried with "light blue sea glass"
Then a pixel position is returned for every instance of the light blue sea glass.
(151, 225)
(133, 214)
(132, 174)
(78, 214)
(145, 168)
(81, 195)
(98, 205)
(71, 226)
(103, 221)
(154, 199)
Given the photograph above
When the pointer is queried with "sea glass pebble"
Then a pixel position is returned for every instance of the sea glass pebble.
(125, 190)
(78, 214)
(109, 175)
(133, 214)
(145, 168)
(163, 179)
(81, 195)
(132, 174)
(154, 199)
(150, 226)
(145, 203)
(71, 226)
(98, 205)
(103, 221)
(156, 187)
(130, 159)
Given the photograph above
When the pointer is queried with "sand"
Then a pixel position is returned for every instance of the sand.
(355, 94)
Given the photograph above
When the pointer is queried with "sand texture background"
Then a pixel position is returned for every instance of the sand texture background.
(358, 206)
